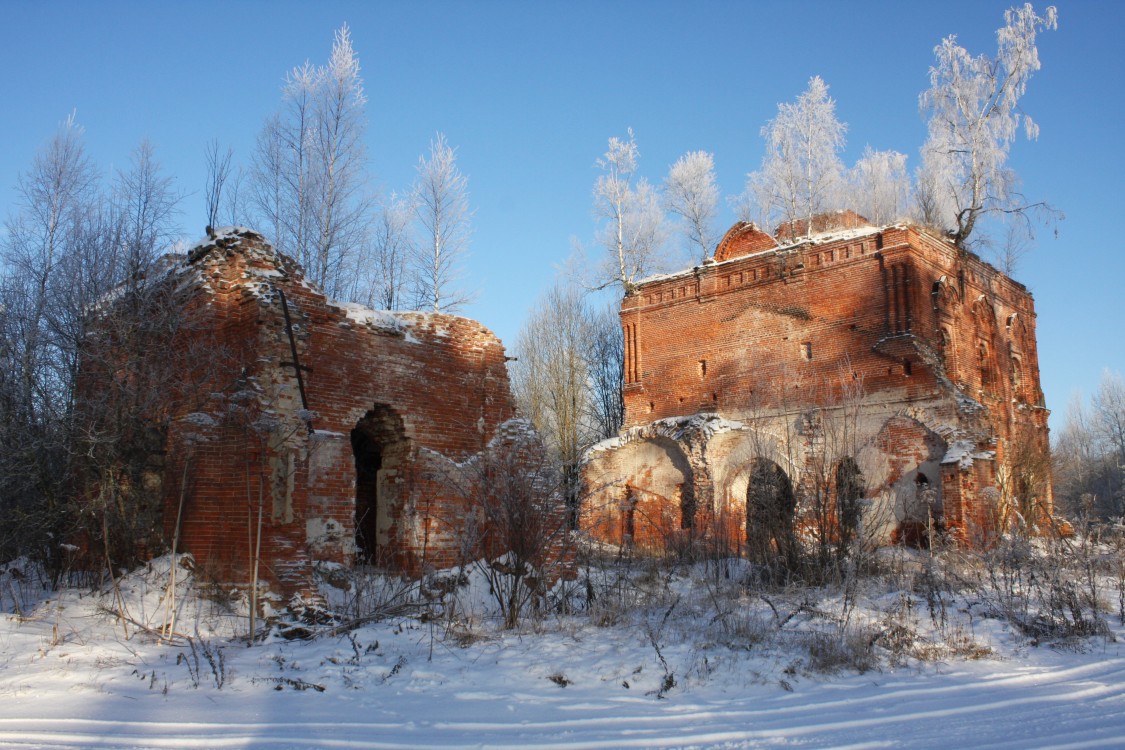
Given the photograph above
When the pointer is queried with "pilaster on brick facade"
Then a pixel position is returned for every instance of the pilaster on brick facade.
(885, 350)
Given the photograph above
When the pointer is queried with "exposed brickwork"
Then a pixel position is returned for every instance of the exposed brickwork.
(397, 405)
(884, 345)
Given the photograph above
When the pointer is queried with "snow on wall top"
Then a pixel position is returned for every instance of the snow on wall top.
(267, 266)
(223, 237)
(703, 425)
(830, 234)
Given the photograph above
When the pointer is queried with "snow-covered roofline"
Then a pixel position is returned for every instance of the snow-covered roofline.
(818, 238)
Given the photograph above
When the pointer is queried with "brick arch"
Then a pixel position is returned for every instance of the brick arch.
(984, 314)
(729, 455)
(744, 238)
(771, 506)
(903, 450)
(730, 458)
(381, 453)
(943, 296)
(640, 494)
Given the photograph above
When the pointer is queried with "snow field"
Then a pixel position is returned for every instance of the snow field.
(71, 676)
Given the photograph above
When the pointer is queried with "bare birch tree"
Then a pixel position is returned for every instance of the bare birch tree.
(309, 175)
(218, 172)
(382, 279)
(632, 220)
(69, 246)
(974, 117)
(606, 347)
(551, 379)
(146, 203)
(880, 186)
(441, 205)
(802, 172)
(1089, 452)
(342, 201)
(56, 198)
(691, 193)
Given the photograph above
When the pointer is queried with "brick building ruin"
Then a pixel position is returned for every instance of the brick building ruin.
(876, 378)
(353, 430)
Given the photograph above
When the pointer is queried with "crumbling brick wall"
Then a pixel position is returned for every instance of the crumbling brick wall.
(882, 345)
(319, 421)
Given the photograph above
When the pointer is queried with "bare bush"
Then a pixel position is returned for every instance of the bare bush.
(514, 527)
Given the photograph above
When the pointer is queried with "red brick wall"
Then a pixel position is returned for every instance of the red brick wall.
(442, 377)
(894, 314)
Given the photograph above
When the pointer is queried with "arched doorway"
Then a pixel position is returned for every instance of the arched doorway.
(379, 447)
(849, 492)
(770, 506)
(653, 510)
(920, 518)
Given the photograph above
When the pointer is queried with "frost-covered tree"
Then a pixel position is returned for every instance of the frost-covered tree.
(309, 176)
(342, 201)
(801, 173)
(391, 245)
(879, 186)
(441, 206)
(974, 116)
(382, 278)
(692, 194)
(632, 219)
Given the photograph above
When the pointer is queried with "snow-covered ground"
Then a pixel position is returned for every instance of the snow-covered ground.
(74, 676)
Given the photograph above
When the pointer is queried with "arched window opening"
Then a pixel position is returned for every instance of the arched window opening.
(849, 492)
(1016, 377)
(920, 515)
(983, 365)
(378, 447)
(770, 505)
(629, 517)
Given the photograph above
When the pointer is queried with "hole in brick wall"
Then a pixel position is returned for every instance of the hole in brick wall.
(714, 397)
(770, 506)
(681, 399)
(629, 519)
(378, 446)
(806, 350)
(907, 370)
(651, 407)
(702, 368)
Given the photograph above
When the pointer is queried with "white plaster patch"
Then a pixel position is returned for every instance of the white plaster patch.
(323, 532)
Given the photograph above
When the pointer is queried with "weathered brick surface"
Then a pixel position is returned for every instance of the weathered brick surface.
(411, 396)
(884, 345)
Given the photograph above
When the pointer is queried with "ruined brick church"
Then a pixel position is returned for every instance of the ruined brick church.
(878, 373)
(320, 431)
(876, 376)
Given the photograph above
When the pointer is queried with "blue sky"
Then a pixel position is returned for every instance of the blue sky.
(529, 92)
